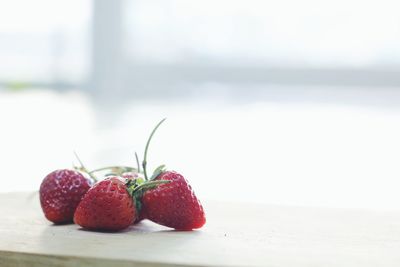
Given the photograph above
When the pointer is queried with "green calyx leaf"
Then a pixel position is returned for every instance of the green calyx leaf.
(160, 169)
(132, 184)
(140, 180)
(138, 204)
(137, 187)
(151, 185)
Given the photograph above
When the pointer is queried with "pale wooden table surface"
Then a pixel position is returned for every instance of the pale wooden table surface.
(235, 235)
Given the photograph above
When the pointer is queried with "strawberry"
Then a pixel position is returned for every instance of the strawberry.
(106, 206)
(111, 205)
(120, 180)
(60, 193)
(173, 204)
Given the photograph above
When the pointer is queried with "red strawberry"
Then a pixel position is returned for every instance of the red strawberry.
(60, 193)
(173, 204)
(107, 206)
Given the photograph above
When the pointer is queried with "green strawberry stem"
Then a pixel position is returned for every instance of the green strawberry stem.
(137, 187)
(144, 163)
(83, 168)
(149, 185)
(137, 162)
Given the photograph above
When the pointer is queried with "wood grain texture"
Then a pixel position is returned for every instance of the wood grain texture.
(235, 235)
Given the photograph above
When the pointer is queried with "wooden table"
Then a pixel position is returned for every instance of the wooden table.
(235, 235)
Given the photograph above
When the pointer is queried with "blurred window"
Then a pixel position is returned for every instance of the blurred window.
(284, 33)
(48, 41)
(44, 41)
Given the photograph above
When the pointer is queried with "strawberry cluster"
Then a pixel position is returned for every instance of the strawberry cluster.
(125, 196)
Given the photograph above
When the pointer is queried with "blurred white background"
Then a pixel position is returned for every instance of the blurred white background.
(285, 102)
